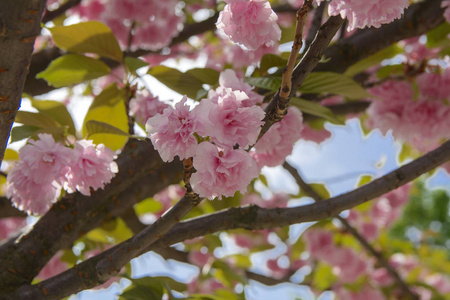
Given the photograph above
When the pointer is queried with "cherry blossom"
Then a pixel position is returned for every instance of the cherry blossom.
(93, 167)
(172, 132)
(221, 172)
(367, 13)
(249, 23)
(229, 79)
(145, 106)
(226, 121)
(53, 267)
(278, 142)
(446, 4)
(9, 226)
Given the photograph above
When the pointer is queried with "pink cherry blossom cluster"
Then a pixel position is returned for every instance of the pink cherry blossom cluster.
(367, 13)
(152, 24)
(144, 106)
(251, 23)
(45, 166)
(346, 263)
(383, 212)
(228, 121)
(421, 119)
(226, 52)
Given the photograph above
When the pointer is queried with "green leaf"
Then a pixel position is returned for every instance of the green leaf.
(316, 110)
(95, 127)
(407, 152)
(205, 75)
(145, 288)
(87, 37)
(319, 188)
(55, 110)
(271, 60)
(108, 107)
(35, 119)
(19, 133)
(268, 83)
(438, 37)
(134, 64)
(148, 205)
(72, 69)
(323, 277)
(333, 83)
(372, 60)
(11, 154)
(188, 83)
(364, 179)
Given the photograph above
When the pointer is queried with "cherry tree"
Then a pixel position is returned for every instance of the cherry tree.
(143, 173)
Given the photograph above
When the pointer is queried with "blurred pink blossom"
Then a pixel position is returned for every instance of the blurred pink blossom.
(249, 23)
(367, 13)
(144, 106)
(53, 267)
(9, 226)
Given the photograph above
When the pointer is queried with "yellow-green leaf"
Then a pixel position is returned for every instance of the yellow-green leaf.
(11, 154)
(55, 110)
(35, 119)
(95, 127)
(108, 107)
(73, 69)
(372, 60)
(188, 83)
(87, 37)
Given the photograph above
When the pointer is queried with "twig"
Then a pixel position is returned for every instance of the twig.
(52, 14)
(286, 79)
(315, 24)
(349, 228)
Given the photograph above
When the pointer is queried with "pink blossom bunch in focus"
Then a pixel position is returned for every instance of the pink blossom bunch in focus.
(229, 122)
(278, 142)
(151, 23)
(144, 106)
(35, 181)
(367, 13)
(251, 23)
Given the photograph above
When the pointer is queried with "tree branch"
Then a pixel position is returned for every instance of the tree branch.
(254, 218)
(141, 174)
(52, 14)
(350, 229)
(302, 70)
(19, 27)
(417, 19)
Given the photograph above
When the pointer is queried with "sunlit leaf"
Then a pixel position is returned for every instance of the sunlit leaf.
(35, 119)
(87, 37)
(11, 154)
(148, 205)
(95, 127)
(55, 110)
(108, 107)
(73, 69)
(323, 277)
(188, 83)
